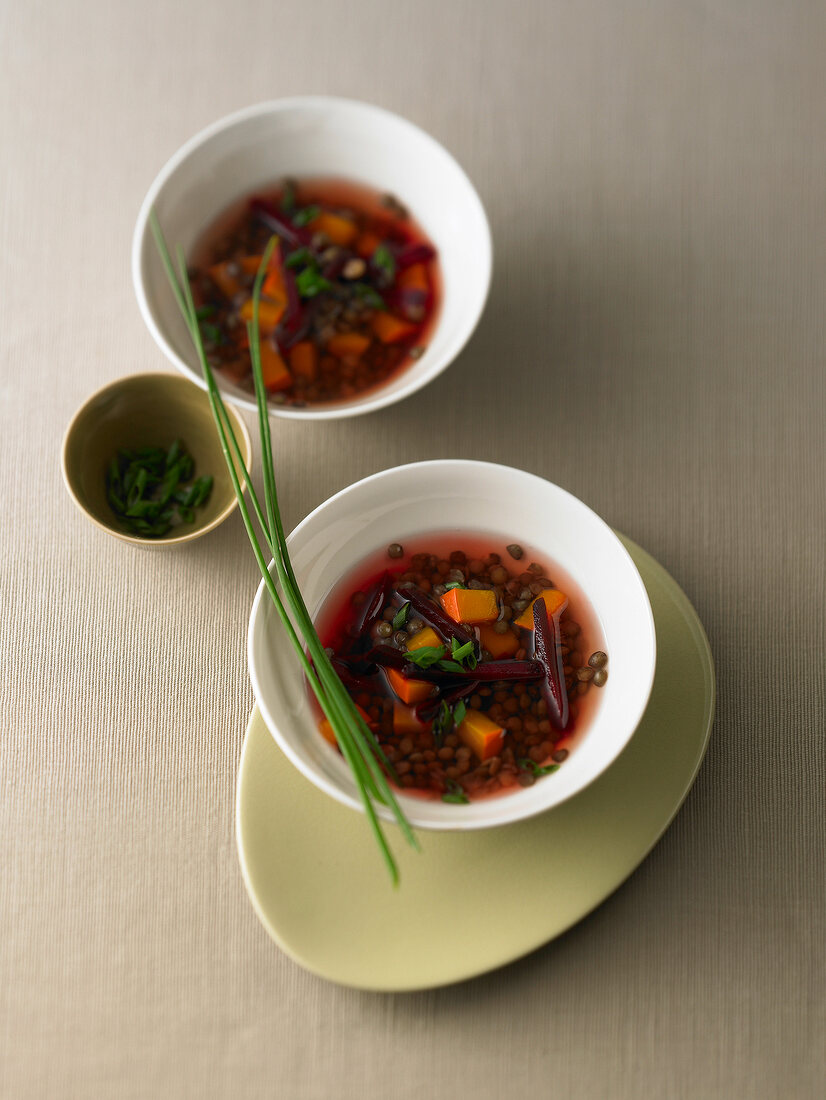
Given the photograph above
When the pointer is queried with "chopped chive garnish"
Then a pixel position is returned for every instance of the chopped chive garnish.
(299, 257)
(383, 259)
(310, 282)
(465, 654)
(305, 216)
(400, 618)
(148, 489)
(454, 793)
(451, 666)
(442, 724)
(212, 333)
(425, 656)
(531, 766)
(370, 296)
(447, 720)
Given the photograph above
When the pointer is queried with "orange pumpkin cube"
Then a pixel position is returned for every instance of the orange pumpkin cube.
(470, 605)
(326, 729)
(304, 360)
(274, 370)
(367, 244)
(425, 637)
(250, 264)
(414, 278)
(339, 230)
(409, 691)
(269, 314)
(348, 344)
(228, 284)
(273, 286)
(555, 604)
(498, 645)
(390, 329)
(405, 720)
(481, 735)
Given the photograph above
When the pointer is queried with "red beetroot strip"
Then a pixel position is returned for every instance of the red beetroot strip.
(413, 254)
(514, 671)
(366, 663)
(271, 217)
(428, 710)
(374, 605)
(349, 678)
(295, 324)
(435, 617)
(547, 642)
(388, 657)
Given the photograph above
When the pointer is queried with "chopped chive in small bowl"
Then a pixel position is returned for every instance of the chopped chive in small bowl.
(141, 460)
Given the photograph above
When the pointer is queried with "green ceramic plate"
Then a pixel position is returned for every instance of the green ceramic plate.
(320, 889)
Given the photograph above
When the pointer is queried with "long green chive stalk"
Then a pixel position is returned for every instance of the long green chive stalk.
(356, 741)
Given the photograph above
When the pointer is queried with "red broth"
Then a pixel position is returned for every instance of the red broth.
(351, 295)
(462, 760)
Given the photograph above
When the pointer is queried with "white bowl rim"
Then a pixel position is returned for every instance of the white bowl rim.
(515, 810)
(358, 407)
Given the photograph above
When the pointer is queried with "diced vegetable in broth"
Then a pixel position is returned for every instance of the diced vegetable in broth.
(350, 298)
(466, 699)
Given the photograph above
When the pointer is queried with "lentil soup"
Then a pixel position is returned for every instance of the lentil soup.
(476, 665)
(350, 298)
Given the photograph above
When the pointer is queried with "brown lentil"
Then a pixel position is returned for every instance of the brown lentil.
(519, 708)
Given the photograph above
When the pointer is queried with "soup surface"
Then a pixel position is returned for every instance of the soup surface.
(473, 668)
(350, 297)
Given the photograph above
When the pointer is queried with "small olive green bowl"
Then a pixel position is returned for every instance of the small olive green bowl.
(149, 410)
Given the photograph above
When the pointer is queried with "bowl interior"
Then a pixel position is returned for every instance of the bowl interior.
(462, 497)
(318, 136)
(148, 410)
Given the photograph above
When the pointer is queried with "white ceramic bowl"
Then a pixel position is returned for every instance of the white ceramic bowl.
(319, 136)
(462, 497)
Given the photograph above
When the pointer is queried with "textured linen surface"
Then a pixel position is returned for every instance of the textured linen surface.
(654, 342)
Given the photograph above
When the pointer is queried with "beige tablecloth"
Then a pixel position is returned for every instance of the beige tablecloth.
(654, 342)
